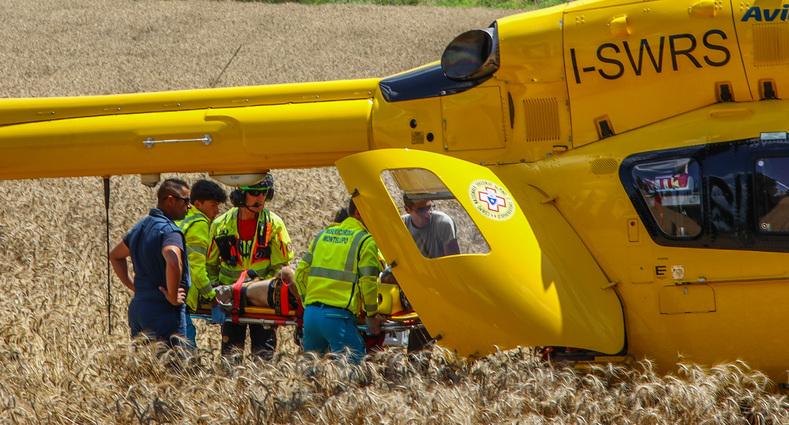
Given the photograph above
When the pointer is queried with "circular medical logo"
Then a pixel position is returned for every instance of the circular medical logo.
(491, 200)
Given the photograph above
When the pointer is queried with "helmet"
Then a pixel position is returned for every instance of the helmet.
(265, 185)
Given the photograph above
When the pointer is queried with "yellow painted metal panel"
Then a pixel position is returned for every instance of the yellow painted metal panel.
(473, 120)
(525, 291)
(751, 287)
(531, 48)
(763, 32)
(625, 76)
(244, 139)
(15, 111)
(686, 299)
(391, 124)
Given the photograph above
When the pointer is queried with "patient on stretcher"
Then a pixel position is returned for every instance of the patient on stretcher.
(253, 291)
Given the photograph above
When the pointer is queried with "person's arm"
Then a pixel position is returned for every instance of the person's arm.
(302, 273)
(174, 270)
(197, 241)
(212, 257)
(449, 237)
(303, 269)
(369, 268)
(281, 255)
(451, 247)
(118, 257)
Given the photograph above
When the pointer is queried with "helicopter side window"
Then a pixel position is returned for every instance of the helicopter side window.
(671, 189)
(438, 224)
(772, 194)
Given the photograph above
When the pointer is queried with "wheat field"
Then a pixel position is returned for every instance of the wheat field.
(58, 364)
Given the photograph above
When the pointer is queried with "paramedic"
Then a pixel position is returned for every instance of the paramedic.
(206, 197)
(248, 237)
(340, 268)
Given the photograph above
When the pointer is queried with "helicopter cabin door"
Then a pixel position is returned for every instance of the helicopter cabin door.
(495, 287)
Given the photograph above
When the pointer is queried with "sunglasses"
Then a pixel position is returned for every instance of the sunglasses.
(182, 198)
(424, 209)
(256, 192)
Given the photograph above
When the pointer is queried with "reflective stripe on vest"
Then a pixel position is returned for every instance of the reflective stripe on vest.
(340, 275)
(194, 215)
(307, 257)
(369, 271)
(188, 220)
(195, 248)
(347, 275)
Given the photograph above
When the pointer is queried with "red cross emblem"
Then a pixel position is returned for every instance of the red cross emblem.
(492, 199)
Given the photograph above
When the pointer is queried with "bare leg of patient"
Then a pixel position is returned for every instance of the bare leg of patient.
(257, 291)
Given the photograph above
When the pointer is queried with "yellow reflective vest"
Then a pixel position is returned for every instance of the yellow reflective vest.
(228, 256)
(195, 227)
(341, 264)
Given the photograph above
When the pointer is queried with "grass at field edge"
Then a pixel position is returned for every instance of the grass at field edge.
(497, 4)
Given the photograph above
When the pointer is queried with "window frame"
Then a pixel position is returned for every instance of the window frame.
(758, 196)
(700, 183)
(733, 162)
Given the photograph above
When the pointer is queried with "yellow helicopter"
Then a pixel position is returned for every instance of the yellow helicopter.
(626, 164)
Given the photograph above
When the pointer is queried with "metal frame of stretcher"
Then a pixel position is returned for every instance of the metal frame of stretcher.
(268, 318)
(289, 316)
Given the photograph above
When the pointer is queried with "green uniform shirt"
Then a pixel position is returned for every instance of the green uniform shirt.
(195, 227)
(342, 263)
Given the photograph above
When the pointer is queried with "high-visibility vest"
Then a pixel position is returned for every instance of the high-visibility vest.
(228, 256)
(341, 264)
(195, 227)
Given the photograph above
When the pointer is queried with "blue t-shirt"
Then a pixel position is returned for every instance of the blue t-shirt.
(146, 241)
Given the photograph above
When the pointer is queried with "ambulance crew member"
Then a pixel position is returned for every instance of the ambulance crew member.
(206, 197)
(161, 269)
(342, 262)
(248, 237)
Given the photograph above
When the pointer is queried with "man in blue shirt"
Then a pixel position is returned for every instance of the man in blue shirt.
(161, 269)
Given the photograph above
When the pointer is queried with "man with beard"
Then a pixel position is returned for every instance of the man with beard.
(161, 269)
(248, 237)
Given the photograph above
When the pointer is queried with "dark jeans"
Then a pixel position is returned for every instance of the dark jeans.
(264, 341)
(157, 319)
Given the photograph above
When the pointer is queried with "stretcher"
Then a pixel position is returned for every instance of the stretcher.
(288, 311)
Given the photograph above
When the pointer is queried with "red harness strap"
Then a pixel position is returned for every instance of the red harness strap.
(238, 287)
(284, 300)
(299, 314)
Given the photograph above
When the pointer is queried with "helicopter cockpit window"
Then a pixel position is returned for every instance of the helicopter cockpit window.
(671, 189)
(439, 225)
(772, 195)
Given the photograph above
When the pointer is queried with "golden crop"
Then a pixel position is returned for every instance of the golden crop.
(59, 365)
